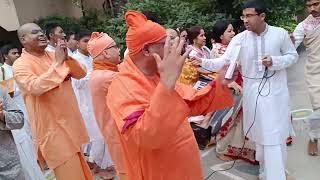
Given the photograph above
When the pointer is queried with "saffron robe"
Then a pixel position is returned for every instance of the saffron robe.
(156, 137)
(57, 127)
(100, 81)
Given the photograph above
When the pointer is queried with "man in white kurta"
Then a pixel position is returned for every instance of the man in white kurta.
(309, 32)
(22, 137)
(261, 46)
(97, 149)
(55, 32)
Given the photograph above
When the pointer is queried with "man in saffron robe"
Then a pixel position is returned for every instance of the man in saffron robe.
(151, 110)
(99, 158)
(57, 127)
(105, 54)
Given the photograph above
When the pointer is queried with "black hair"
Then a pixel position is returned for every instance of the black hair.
(69, 34)
(50, 28)
(152, 16)
(81, 34)
(193, 33)
(258, 5)
(218, 29)
(6, 48)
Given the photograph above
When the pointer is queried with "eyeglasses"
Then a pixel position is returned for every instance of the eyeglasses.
(247, 16)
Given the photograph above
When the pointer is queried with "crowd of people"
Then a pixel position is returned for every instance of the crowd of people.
(71, 105)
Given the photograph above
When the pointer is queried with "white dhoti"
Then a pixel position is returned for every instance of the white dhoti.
(99, 154)
(314, 121)
(96, 148)
(312, 75)
(28, 159)
(272, 159)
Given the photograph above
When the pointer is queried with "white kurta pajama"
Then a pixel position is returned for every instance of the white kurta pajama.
(309, 32)
(271, 125)
(98, 151)
(22, 137)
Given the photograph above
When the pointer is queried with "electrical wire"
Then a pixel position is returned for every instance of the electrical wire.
(262, 84)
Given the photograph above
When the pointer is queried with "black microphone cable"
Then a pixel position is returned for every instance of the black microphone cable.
(262, 84)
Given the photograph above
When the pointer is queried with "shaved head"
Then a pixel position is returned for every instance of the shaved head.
(26, 28)
(32, 37)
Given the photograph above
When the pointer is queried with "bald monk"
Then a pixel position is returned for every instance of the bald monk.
(151, 110)
(106, 57)
(56, 123)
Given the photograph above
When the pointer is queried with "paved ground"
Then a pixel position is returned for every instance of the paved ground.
(300, 165)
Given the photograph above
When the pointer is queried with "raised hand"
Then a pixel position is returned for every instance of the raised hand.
(236, 87)
(61, 53)
(170, 66)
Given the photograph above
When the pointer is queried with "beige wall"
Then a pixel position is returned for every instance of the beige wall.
(14, 13)
(89, 4)
(8, 15)
(29, 10)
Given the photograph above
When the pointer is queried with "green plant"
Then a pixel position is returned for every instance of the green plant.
(69, 24)
(171, 13)
(177, 13)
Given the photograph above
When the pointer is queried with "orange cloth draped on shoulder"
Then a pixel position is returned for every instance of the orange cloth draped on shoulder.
(57, 127)
(101, 65)
(157, 139)
(100, 80)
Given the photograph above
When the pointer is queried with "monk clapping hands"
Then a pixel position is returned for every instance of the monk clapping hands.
(171, 65)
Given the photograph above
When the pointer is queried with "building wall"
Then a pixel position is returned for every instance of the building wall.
(93, 4)
(29, 10)
(8, 15)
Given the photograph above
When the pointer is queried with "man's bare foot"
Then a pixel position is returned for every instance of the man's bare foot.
(106, 174)
(91, 165)
(313, 148)
(290, 178)
(212, 142)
